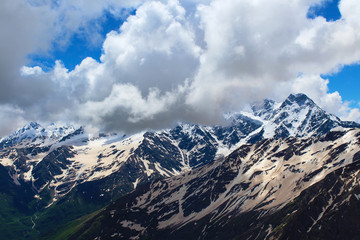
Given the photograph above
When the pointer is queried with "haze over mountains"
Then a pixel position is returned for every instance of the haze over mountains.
(218, 182)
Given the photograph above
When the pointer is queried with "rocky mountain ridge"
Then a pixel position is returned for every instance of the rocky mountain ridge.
(75, 158)
(64, 168)
(264, 179)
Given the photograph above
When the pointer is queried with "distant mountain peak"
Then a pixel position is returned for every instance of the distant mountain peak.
(34, 133)
(263, 109)
(210, 164)
(33, 125)
(297, 116)
(266, 104)
(300, 99)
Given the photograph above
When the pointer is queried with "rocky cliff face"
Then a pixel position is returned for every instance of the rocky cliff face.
(264, 179)
(63, 164)
(74, 158)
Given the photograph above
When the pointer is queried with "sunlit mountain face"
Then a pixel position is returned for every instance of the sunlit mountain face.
(133, 66)
(173, 119)
(259, 162)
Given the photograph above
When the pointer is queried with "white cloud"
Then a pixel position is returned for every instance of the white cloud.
(317, 89)
(353, 115)
(36, 26)
(11, 117)
(188, 60)
(126, 107)
(28, 71)
(277, 43)
(141, 78)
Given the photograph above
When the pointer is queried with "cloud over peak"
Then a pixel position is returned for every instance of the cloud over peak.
(193, 61)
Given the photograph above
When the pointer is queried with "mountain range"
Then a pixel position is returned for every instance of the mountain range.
(257, 176)
(282, 189)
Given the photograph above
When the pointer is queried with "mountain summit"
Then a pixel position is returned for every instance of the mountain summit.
(62, 170)
(34, 134)
(275, 189)
(297, 116)
(300, 99)
(151, 155)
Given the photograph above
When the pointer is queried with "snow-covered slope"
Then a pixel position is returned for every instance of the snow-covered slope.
(261, 178)
(33, 134)
(74, 158)
(63, 157)
(297, 116)
(62, 167)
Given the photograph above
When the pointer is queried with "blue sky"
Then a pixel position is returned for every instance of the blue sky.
(328, 9)
(172, 60)
(346, 81)
(80, 45)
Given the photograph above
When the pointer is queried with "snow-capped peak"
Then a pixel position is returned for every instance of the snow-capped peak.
(36, 134)
(296, 116)
(263, 109)
(300, 99)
